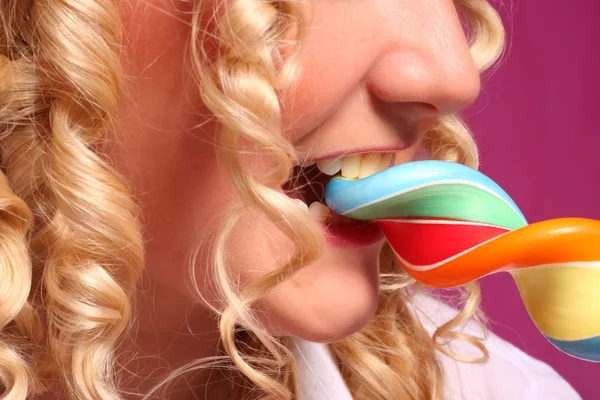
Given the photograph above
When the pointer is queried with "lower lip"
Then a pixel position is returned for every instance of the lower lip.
(352, 235)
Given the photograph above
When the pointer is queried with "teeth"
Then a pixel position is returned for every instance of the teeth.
(301, 204)
(370, 165)
(357, 165)
(330, 166)
(351, 166)
(386, 161)
(318, 211)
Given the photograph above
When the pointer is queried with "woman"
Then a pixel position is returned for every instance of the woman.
(159, 161)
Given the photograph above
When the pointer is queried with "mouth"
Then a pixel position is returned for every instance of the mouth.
(307, 188)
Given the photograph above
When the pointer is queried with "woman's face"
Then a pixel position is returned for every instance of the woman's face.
(375, 76)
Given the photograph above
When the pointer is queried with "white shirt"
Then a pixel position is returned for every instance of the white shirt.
(508, 374)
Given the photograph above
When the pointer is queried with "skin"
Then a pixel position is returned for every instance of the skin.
(376, 75)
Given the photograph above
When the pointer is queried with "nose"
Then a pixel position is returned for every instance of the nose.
(426, 64)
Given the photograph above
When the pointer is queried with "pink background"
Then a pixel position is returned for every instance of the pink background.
(537, 126)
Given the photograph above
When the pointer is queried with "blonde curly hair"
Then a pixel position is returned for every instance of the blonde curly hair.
(70, 230)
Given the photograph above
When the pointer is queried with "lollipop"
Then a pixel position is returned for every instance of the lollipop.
(449, 225)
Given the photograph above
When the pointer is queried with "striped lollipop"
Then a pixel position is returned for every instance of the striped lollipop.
(449, 225)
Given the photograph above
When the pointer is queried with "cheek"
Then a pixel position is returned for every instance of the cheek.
(335, 58)
(156, 38)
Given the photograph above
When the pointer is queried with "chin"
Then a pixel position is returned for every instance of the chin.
(328, 300)
(339, 324)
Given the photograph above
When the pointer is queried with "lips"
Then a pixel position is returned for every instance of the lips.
(353, 235)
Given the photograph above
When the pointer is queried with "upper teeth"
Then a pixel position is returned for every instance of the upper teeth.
(356, 165)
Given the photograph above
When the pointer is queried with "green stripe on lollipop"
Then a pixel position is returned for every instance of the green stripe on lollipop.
(453, 201)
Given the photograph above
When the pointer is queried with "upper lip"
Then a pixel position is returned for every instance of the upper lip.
(349, 151)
